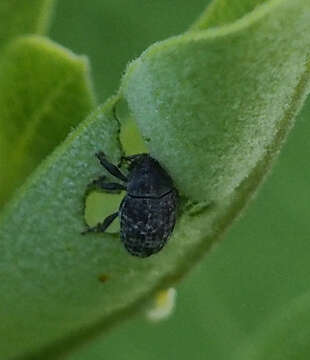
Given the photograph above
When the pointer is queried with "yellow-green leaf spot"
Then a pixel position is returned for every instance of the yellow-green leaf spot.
(44, 92)
(163, 305)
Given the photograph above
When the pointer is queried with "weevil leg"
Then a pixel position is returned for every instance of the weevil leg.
(129, 158)
(111, 186)
(101, 184)
(101, 227)
(112, 169)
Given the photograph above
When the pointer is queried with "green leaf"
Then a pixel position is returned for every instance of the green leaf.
(51, 272)
(44, 92)
(284, 337)
(221, 12)
(210, 104)
(214, 107)
(23, 17)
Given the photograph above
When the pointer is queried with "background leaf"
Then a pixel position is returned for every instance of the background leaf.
(23, 17)
(222, 12)
(285, 336)
(44, 92)
(118, 31)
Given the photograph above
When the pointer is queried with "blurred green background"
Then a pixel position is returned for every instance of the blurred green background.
(263, 262)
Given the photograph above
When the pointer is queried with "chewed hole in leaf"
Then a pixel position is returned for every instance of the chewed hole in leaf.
(131, 138)
(98, 206)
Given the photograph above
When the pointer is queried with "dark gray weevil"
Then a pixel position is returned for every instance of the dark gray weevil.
(148, 211)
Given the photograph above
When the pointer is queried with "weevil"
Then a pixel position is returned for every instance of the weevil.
(149, 209)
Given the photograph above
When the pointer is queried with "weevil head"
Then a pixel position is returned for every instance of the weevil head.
(147, 178)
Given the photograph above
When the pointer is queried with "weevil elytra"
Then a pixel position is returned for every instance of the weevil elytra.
(148, 211)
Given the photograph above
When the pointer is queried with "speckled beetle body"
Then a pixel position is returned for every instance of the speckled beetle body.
(148, 211)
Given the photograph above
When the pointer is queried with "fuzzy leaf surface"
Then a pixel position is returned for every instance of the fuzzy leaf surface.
(210, 103)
